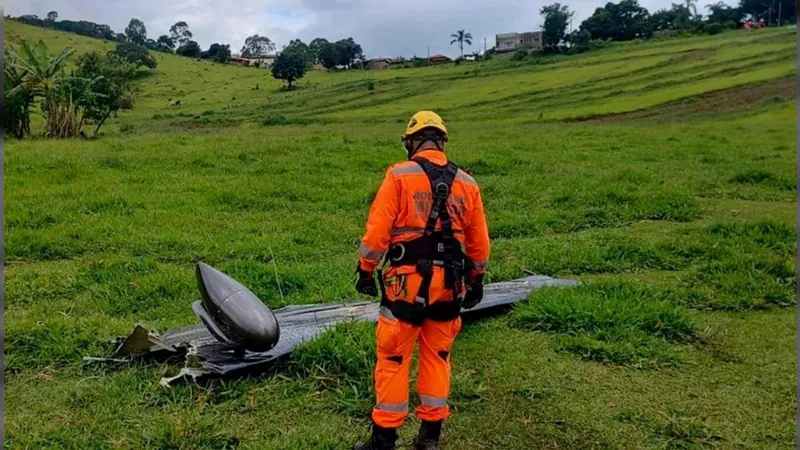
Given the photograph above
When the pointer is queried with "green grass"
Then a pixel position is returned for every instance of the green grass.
(674, 205)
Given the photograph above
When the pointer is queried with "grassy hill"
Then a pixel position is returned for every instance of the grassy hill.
(660, 174)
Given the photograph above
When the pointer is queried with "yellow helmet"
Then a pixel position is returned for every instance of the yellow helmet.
(422, 120)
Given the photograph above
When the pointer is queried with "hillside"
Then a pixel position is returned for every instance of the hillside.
(625, 77)
(661, 175)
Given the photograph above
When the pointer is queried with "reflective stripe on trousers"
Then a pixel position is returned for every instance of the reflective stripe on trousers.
(433, 402)
(393, 407)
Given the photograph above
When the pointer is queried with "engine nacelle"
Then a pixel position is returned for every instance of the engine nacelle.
(232, 313)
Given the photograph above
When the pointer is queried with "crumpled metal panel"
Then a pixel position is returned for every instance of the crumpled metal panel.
(299, 324)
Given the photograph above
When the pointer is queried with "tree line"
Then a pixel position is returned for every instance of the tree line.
(628, 20)
(178, 40)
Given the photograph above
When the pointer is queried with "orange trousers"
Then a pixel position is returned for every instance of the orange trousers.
(395, 344)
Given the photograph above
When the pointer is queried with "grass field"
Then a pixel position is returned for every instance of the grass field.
(660, 174)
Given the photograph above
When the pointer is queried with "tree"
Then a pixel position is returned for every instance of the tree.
(217, 52)
(134, 54)
(289, 67)
(579, 41)
(347, 52)
(621, 21)
(724, 14)
(190, 49)
(768, 9)
(461, 37)
(180, 34)
(113, 85)
(316, 46)
(678, 17)
(257, 46)
(691, 5)
(52, 16)
(136, 32)
(344, 52)
(165, 44)
(556, 19)
(298, 47)
(31, 19)
(326, 55)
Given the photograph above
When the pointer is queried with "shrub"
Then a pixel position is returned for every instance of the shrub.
(519, 55)
(714, 28)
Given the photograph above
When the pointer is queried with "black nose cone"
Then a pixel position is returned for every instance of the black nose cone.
(236, 312)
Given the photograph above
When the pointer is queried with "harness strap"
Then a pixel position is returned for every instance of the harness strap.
(443, 244)
(441, 179)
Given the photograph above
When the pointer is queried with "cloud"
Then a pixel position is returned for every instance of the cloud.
(383, 28)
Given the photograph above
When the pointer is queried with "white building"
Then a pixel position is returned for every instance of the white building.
(530, 40)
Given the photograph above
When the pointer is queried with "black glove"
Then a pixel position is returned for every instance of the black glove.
(474, 293)
(365, 283)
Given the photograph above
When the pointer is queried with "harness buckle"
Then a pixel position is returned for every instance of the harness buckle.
(442, 191)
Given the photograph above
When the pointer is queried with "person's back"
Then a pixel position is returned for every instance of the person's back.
(424, 212)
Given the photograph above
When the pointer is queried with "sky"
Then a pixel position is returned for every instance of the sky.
(383, 28)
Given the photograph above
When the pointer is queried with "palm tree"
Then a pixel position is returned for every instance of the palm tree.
(691, 6)
(461, 37)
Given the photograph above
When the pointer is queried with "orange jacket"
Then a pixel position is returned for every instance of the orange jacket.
(400, 212)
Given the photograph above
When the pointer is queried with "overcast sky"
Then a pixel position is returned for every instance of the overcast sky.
(385, 28)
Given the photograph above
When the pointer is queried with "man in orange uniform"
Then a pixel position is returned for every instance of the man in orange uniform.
(425, 210)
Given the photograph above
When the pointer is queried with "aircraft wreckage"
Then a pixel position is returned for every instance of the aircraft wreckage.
(239, 333)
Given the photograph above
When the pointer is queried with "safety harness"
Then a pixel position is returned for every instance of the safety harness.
(433, 248)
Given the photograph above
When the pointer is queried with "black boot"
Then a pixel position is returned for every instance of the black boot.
(382, 439)
(428, 436)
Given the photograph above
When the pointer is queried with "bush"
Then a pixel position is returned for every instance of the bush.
(519, 55)
(370, 85)
(126, 102)
(715, 28)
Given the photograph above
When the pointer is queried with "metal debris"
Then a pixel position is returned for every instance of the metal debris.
(206, 355)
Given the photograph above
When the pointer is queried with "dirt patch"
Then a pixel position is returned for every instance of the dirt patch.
(725, 101)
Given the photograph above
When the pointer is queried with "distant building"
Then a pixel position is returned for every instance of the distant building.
(264, 62)
(378, 63)
(439, 59)
(530, 40)
(239, 61)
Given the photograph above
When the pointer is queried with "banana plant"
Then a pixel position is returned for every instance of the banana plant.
(40, 73)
